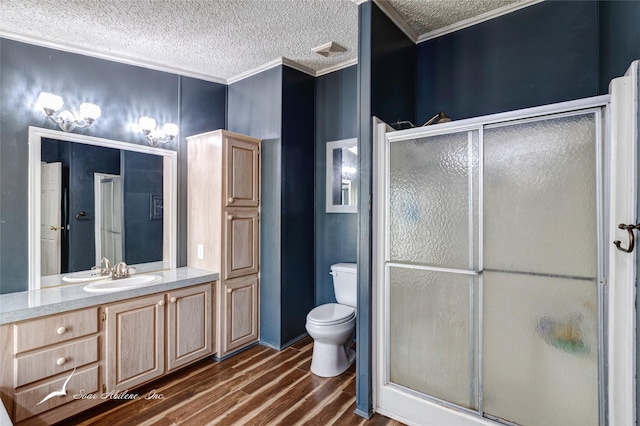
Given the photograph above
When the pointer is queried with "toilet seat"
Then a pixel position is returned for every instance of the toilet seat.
(331, 314)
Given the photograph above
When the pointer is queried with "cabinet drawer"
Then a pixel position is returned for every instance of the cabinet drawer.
(55, 329)
(26, 401)
(49, 362)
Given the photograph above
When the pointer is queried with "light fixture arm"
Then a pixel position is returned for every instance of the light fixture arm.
(65, 119)
(156, 136)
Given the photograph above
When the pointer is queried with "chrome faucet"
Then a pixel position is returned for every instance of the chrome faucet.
(120, 270)
(104, 269)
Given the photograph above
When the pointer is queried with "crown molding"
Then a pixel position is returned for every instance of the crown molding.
(399, 22)
(123, 59)
(487, 16)
(291, 64)
(296, 66)
(337, 67)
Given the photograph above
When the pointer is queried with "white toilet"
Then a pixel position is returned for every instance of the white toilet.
(332, 325)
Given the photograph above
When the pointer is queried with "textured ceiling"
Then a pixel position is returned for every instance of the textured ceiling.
(219, 39)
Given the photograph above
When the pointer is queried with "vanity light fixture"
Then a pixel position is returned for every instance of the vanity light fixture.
(67, 121)
(157, 136)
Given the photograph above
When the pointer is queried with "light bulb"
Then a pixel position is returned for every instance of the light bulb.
(147, 124)
(170, 129)
(90, 111)
(50, 102)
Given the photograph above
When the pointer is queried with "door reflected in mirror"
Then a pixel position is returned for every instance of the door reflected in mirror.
(95, 204)
(342, 176)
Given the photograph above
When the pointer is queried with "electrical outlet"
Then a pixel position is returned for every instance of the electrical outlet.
(200, 251)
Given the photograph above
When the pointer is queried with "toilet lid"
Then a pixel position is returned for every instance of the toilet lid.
(331, 314)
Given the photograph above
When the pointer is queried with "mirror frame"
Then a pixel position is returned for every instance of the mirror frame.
(170, 196)
(330, 207)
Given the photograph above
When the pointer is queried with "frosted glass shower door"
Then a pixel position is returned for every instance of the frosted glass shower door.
(432, 266)
(491, 272)
(540, 278)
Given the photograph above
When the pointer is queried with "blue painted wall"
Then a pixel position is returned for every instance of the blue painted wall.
(255, 109)
(538, 55)
(336, 233)
(619, 42)
(298, 202)
(85, 160)
(124, 93)
(386, 77)
(277, 107)
(142, 178)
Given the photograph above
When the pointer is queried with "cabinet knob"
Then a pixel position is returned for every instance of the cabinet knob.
(229, 290)
(230, 217)
(161, 302)
(231, 199)
(173, 300)
(61, 361)
(61, 330)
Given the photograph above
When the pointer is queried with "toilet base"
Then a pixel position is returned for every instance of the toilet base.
(329, 360)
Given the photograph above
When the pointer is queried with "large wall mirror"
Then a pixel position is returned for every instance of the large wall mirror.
(91, 198)
(342, 176)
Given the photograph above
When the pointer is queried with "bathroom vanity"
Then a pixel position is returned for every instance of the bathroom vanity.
(81, 348)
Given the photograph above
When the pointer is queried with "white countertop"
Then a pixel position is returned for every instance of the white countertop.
(52, 300)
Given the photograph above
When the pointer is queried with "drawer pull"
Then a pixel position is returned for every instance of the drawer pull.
(173, 300)
(161, 302)
(61, 361)
(61, 330)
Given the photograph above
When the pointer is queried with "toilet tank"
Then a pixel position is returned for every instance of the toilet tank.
(345, 283)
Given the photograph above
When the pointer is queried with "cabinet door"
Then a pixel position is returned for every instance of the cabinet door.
(241, 242)
(135, 342)
(240, 316)
(189, 322)
(242, 173)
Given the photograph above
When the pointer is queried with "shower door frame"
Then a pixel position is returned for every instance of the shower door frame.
(442, 412)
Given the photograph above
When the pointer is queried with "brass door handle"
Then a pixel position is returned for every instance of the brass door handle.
(55, 228)
(629, 229)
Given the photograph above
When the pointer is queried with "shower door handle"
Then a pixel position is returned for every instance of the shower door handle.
(629, 229)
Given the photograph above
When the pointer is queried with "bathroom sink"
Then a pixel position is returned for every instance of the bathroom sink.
(78, 277)
(120, 284)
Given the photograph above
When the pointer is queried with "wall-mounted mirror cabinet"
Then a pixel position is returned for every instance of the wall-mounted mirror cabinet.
(91, 198)
(342, 176)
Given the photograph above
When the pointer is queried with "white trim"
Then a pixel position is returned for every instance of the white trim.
(35, 137)
(329, 206)
(123, 59)
(255, 71)
(622, 266)
(398, 20)
(337, 67)
(487, 120)
(291, 64)
(487, 16)
(114, 57)
(296, 66)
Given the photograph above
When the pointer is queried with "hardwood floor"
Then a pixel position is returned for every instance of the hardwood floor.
(259, 386)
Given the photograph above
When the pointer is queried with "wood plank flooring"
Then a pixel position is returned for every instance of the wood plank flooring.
(259, 386)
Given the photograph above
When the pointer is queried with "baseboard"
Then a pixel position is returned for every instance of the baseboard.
(294, 340)
(229, 355)
(363, 414)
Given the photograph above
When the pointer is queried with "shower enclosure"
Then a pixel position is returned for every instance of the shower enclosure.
(491, 268)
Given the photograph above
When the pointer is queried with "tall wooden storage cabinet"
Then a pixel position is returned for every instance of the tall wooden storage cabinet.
(223, 230)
